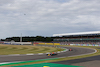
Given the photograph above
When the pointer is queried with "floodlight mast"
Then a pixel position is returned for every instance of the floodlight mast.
(21, 39)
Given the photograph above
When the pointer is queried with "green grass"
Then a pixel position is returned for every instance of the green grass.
(20, 49)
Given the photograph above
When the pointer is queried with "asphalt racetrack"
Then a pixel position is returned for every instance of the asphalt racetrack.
(76, 51)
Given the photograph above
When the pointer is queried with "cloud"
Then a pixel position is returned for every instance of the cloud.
(47, 17)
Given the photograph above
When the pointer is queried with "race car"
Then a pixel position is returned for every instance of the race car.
(51, 54)
(70, 50)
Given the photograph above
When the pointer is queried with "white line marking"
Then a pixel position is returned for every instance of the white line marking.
(58, 52)
(10, 62)
(29, 54)
(40, 53)
(47, 53)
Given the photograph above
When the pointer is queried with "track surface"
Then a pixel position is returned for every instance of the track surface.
(76, 51)
(93, 61)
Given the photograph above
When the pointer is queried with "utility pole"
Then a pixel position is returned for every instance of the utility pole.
(21, 39)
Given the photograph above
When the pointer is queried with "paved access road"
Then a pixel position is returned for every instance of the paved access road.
(76, 51)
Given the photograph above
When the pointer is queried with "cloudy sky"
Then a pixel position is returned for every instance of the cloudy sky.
(48, 17)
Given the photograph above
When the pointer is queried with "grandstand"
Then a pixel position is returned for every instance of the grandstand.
(78, 38)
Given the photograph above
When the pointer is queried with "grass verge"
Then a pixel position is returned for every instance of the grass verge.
(20, 49)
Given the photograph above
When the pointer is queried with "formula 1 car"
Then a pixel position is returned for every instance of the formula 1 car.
(51, 54)
(70, 50)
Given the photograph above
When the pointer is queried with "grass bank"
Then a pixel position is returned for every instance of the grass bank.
(21, 49)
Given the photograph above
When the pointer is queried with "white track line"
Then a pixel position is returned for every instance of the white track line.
(40, 53)
(10, 62)
(29, 54)
(58, 52)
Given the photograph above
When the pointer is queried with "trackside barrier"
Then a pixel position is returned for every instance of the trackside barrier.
(17, 43)
(48, 43)
(21, 43)
(84, 44)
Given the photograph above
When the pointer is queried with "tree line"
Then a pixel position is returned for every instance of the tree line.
(30, 39)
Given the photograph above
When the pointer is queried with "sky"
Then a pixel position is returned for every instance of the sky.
(48, 17)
